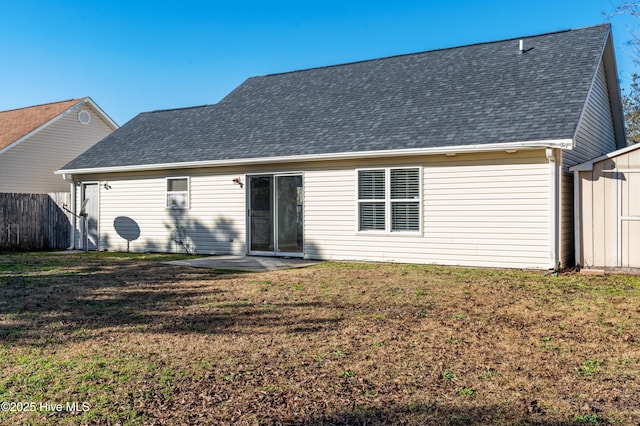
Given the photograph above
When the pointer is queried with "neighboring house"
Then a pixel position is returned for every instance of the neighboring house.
(457, 156)
(36, 141)
(608, 210)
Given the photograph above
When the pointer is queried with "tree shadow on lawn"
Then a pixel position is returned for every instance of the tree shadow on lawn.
(436, 413)
(61, 307)
(274, 408)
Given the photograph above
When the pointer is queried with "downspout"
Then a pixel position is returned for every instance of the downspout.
(554, 238)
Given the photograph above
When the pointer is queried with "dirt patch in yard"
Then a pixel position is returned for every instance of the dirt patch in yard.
(139, 342)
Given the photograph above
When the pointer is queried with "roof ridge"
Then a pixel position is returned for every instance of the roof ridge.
(400, 55)
(177, 109)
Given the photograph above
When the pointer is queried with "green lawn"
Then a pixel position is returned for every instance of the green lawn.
(105, 338)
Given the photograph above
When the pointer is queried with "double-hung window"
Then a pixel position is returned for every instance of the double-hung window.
(178, 193)
(389, 199)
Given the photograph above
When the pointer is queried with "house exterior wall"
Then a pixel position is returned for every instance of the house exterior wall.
(29, 166)
(478, 210)
(595, 136)
(487, 209)
(214, 223)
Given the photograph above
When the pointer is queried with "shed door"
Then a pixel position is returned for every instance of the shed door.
(629, 220)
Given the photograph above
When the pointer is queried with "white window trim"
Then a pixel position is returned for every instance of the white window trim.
(388, 202)
(187, 193)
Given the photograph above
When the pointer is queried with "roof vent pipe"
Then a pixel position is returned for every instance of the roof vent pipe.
(521, 46)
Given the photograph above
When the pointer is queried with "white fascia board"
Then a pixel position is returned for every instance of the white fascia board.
(613, 86)
(101, 113)
(462, 149)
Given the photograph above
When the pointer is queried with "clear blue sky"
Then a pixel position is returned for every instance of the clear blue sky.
(133, 56)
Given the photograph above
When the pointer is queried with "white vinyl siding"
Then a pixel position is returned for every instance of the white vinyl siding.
(478, 210)
(491, 212)
(29, 166)
(214, 223)
(595, 135)
(475, 209)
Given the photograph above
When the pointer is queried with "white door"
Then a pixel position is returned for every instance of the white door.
(89, 217)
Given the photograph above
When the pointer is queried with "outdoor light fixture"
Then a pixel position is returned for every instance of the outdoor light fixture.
(237, 181)
(107, 186)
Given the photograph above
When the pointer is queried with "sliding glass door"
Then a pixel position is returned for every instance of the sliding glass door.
(261, 213)
(276, 215)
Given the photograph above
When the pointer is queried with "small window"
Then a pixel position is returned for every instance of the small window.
(405, 200)
(389, 200)
(178, 193)
(371, 194)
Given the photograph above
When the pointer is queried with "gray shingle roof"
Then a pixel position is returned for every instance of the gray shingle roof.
(476, 94)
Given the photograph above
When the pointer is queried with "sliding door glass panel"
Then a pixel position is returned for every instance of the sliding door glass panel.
(289, 214)
(261, 204)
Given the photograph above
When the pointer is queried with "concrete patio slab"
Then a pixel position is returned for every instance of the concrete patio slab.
(245, 263)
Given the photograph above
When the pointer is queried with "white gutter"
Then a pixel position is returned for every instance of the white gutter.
(461, 149)
(554, 216)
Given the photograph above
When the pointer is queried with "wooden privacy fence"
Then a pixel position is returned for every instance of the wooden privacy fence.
(34, 221)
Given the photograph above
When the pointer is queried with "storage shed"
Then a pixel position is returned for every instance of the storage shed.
(607, 213)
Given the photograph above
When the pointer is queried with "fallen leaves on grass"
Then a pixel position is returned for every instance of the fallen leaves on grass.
(337, 343)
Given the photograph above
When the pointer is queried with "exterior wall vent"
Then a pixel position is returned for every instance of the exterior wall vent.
(84, 117)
